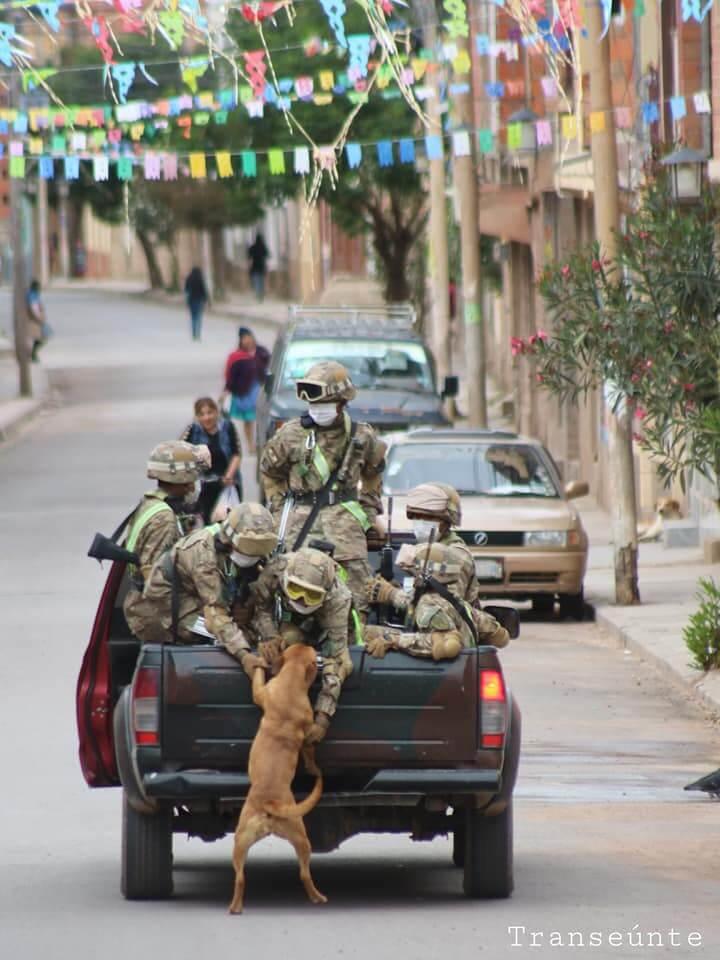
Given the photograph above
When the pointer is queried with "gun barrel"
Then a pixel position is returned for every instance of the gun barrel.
(103, 548)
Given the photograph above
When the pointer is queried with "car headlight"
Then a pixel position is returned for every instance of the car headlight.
(546, 538)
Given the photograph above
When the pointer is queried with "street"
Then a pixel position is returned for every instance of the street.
(605, 839)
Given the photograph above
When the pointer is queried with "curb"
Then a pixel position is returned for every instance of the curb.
(26, 410)
(628, 642)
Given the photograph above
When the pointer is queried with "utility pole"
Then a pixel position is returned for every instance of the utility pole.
(607, 223)
(466, 191)
(22, 347)
(439, 273)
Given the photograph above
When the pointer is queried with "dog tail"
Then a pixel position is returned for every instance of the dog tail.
(296, 809)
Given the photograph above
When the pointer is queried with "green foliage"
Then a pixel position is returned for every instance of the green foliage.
(646, 324)
(702, 634)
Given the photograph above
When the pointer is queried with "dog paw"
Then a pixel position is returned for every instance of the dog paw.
(318, 897)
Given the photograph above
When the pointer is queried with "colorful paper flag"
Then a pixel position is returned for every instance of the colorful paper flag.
(198, 166)
(224, 163)
(461, 143)
(353, 153)
(101, 168)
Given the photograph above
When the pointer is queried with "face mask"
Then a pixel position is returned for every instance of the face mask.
(323, 414)
(242, 560)
(422, 530)
(191, 497)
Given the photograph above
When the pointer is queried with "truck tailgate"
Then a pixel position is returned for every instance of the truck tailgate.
(394, 712)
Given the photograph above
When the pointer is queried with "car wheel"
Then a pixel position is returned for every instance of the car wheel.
(146, 872)
(543, 605)
(573, 605)
(489, 855)
(458, 843)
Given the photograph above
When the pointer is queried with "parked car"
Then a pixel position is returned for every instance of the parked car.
(526, 537)
(389, 363)
(416, 747)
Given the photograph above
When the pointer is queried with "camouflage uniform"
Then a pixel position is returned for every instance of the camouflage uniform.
(300, 458)
(435, 627)
(324, 627)
(209, 582)
(155, 526)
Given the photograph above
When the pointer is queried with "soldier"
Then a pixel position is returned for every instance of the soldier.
(156, 525)
(204, 574)
(440, 622)
(333, 469)
(299, 598)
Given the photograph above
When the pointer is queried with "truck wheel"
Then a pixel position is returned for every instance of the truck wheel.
(489, 855)
(458, 850)
(543, 605)
(146, 854)
(573, 605)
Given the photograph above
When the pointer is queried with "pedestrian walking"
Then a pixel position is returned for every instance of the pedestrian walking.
(245, 370)
(197, 297)
(258, 254)
(38, 329)
(220, 437)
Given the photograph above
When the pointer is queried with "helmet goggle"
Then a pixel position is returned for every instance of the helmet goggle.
(311, 390)
(309, 596)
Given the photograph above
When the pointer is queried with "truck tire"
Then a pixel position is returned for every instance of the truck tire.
(146, 872)
(489, 855)
(572, 605)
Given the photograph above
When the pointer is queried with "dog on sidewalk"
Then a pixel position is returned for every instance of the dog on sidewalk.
(665, 509)
(270, 806)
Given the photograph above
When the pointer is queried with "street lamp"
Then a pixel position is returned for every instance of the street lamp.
(686, 168)
(526, 118)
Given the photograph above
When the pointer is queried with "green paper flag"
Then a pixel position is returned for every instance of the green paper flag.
(17, 167)
(249, 163)
(124, 168)
(276, 160)
(485, 141)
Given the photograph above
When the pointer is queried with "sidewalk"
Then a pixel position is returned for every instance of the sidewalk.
(668, 580)
(15, 410)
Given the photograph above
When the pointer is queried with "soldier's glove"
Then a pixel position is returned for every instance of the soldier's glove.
(250, 662)
(378, 641)
(271, 651)
(317, 731)
(376, 535)
(379, 590)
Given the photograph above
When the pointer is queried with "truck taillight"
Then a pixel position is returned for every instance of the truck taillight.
(493, 709)
(145, 706)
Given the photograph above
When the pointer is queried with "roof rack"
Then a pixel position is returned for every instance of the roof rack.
(393, 318)
(472, 432)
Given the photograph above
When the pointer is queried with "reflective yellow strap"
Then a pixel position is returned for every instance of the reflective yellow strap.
(353, 507)
(140, 522)
(357, 622)
(321, 464)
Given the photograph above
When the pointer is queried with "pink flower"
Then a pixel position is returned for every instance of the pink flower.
(637, 437)
(635, 377)
(517, 345)
(539, 378)
(566, 271)
(688, 387)
(643, 235)
(542, 335)
(668, 326)
(596, 265)
(640, 413)
(648, 364)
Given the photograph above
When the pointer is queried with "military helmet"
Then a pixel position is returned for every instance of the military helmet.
(306, 579)
(439, 501)
(175, 461)
(325, 382)
(249, 530)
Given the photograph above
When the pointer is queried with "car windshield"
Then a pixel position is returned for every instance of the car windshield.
(487, 469)
(392, 364)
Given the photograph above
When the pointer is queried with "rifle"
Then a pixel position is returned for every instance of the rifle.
(386, 554)
(284, 517)
(105, 548)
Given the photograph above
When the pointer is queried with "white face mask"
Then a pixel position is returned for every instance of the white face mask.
(191, 497)
(422, 530)
(243, 560)
(323, 413)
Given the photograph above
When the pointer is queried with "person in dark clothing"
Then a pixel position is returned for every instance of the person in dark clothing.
(220, 437)
(258, 254)
(245, 370)
(197, 297)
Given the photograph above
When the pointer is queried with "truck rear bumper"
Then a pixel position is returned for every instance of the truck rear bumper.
(411, 784)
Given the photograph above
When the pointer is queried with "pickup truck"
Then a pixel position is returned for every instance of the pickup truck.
(416, 747)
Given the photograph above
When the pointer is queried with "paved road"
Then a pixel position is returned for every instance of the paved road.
(605, 837)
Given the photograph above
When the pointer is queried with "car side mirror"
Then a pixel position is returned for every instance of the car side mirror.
(507, 617)
(576, 488)
(269, 379)
(451, 387)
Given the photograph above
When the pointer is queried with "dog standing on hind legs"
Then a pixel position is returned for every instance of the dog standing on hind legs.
(270, 806)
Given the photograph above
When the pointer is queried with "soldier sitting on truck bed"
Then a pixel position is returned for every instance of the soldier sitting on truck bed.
(299, 598)
(332, 468)
(439, 622)
(207, 573)
(156, 524)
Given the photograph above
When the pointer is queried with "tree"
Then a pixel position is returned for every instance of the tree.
(646, 323)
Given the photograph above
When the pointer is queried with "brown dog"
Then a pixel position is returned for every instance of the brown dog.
(270, 806)
(665, 509)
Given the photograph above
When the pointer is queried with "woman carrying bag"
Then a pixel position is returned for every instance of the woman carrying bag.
(221, 483)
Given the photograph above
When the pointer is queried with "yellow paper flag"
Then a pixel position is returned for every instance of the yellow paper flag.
(198, 168)
(569, 126)
(36, 146)
(224, 163)
(137, 130)
(461, 63)
(597, 121)
(322, 99)
(327, 80)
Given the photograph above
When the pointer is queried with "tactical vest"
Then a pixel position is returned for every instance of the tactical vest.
(319, 463)
(143, 515)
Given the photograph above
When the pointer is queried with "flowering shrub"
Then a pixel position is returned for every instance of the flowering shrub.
(647, 323)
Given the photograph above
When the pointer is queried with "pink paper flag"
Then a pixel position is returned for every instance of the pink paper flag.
(549, 86)
(623, 118)
(170, 166)
(544, 133)
(152, 166)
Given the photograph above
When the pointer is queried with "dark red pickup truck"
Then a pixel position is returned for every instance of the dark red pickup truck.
(416, 747)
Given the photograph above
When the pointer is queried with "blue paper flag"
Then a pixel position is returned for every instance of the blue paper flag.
(334, 11)
(495, 90)
(359, 51)
(353, 152)
(47, 168)
(650, 112)
(385, 153)
(433, 147)
(72, 168)
(123, 75)
(49, 11)
(678, 108)
(407, 151)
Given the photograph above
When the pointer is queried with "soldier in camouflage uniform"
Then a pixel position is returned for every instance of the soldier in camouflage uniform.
(303, 454)
(156, 525)
(211, 568)
(299, 598)
(436, 627)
